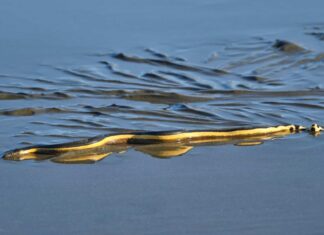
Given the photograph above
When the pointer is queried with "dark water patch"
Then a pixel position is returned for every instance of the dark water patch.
(31, 111)
(112, 107)
(23, 133)
(296, 104)
(163, 55)
(18, 86)
(170, 64)
(260, 80)
(287, 46)
(316, 31)
(26, 143)
(92, 92)
(275, 83)
(83, 74)
(35, 89)
(229, 104)
(318, 35)
(21, 95)
(11, 95)
(256, 93)
(151, 96)
(255, 78)
(157, 54)
(100, 92)
(181, 76)
(85, 122)
(116, 106)
(253, 44)
(187, 109)
(159, 97)
(54, 95)
(187, 79)
(87, 75)
(113, 68)
(118, 72)
(45, 81)
(160, 78)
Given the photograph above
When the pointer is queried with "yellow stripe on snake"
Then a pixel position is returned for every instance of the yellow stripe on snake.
(159, 144)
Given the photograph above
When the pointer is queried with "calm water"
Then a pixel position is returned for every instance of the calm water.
(74, 70)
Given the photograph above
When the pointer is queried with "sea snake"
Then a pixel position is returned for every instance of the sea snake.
(154, 139)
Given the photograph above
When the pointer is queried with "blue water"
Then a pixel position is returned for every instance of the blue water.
(273, 188)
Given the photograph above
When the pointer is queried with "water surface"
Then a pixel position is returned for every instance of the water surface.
(75, 70)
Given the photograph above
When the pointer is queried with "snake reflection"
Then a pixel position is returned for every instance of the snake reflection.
(157, 144)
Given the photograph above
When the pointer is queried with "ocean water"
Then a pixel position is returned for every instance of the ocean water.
(77, 69)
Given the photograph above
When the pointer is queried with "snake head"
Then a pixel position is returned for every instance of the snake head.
(316, 129)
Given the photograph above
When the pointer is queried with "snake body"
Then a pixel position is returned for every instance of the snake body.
(159, 137)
